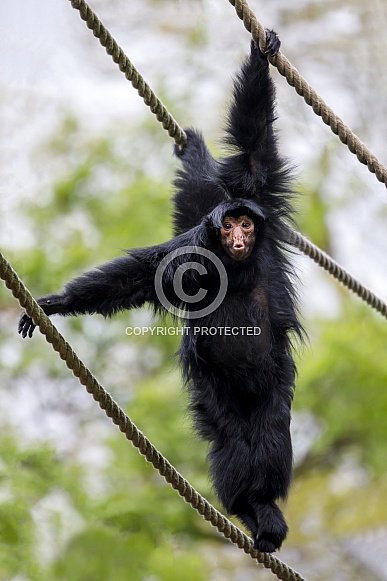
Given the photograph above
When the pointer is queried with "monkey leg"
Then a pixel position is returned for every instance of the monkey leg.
(270, 473)
(271, 526)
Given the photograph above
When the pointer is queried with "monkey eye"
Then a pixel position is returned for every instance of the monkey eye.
(246, 225)
(227, 226)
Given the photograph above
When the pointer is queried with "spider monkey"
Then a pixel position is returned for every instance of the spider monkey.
(240, 383)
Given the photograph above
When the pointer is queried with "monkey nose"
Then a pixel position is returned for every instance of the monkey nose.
(238, 241)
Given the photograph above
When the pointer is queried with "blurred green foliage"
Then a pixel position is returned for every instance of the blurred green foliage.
(343, 381)
(137, 527)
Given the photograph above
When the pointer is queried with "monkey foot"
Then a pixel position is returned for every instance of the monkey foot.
(267, 543)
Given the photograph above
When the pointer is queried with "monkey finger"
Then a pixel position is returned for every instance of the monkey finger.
(31, 329)
(273, 42)
(22, 322)
(26, 327)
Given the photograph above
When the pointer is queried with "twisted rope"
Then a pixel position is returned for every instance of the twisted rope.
(131, 73)
(79, 370)
(310, 96)
(337, 271)
(132, 433)
(294, 78)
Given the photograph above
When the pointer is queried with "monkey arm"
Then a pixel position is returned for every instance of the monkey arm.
(196, 192)
(252, 112)
(195, 156)
(123, 283)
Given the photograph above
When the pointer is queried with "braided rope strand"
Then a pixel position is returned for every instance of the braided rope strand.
(93, 387)
(294, 79)
(132, 433)
(131, 73)
(311, 97)
(337, 271)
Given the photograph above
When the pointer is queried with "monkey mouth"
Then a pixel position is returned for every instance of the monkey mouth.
(239, 247)
(239, 252)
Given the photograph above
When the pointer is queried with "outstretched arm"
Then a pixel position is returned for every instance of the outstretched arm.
(122, 283)
(251, 116)
(197, 192)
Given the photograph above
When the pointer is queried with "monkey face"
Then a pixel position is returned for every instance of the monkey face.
(237, 236)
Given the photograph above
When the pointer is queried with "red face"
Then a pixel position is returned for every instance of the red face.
(237, 236)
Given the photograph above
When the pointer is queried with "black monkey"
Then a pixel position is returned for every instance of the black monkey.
(236, 355)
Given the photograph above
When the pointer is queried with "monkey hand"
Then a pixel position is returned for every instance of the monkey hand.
(273, 44)
(193, 148)
(50, 304)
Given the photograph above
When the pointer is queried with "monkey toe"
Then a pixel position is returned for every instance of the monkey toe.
(273, 42)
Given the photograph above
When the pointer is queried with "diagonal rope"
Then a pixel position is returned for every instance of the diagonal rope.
(131, 73)
(337, 271)
(294, 79)
(310, 96)
(85, 377)
(132, 433)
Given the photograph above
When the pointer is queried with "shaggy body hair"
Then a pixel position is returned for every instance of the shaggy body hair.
(240, 386)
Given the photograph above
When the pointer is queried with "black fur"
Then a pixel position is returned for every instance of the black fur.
(240, 385)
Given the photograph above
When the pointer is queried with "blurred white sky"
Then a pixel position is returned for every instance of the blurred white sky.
(51, 63)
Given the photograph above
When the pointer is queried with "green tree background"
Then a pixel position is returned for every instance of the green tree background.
(91, 509)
